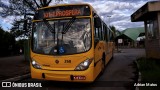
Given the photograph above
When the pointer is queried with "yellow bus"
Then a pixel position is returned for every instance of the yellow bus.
(69, 42)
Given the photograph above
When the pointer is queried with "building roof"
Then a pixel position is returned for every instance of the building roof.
(147, 11)
(133, 33)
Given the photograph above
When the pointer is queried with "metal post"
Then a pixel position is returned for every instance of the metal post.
(109, 20)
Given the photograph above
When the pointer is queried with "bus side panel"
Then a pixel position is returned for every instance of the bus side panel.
(106, 52)
(110, 49)
(98, 53)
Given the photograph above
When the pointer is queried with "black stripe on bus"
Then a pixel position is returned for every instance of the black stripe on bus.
(97, 62)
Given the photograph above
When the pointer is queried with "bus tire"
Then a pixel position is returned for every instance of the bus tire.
(112, 54)
(103, 64)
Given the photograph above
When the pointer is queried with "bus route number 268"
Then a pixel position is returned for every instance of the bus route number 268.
(67, 61)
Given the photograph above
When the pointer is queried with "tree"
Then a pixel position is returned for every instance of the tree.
(7, 43)
(113, 29)
(18, 8)
(21, 28)
(22, 8)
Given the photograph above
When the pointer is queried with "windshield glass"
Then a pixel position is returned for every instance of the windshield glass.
(76, 39)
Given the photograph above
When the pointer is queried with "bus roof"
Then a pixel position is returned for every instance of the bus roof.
(65, 5)
(69, 5)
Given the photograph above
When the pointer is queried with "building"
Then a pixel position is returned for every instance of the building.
(150, 15)
(129, 37)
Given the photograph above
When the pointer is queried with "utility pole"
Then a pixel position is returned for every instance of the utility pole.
(109, 20)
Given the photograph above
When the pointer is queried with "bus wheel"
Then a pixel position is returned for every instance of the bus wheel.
(103, 65)
(112, 54)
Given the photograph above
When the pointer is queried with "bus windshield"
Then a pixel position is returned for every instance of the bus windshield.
(76, 39)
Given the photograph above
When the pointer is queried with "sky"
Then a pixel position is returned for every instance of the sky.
(114, 12)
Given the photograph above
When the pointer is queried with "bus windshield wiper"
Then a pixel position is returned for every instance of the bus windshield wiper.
(68, 25)
(52, 30)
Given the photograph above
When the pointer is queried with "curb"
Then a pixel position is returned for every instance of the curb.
(18, 78)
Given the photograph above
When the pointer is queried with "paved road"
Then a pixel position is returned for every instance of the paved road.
(13, 66)
(120, 74)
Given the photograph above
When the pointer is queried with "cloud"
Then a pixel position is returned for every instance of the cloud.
(6, 2)
(119, 10)
(1, 9)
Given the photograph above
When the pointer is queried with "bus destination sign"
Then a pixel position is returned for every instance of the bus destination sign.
(63, 11)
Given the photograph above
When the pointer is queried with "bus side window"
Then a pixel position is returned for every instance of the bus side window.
(101, 30)
(97, 30)
(99, 27)
(100, 33)
(108, 34)
(111, 37)
(105, 33)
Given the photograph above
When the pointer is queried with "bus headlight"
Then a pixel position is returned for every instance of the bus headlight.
(35, 64)
(83, 65)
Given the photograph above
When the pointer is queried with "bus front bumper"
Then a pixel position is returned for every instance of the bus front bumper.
(71, 76)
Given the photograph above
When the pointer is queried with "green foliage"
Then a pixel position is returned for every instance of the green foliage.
(113, 28)
(9, 46)
(18, 29)
(117, 33)
(7, 42)
(149, 69)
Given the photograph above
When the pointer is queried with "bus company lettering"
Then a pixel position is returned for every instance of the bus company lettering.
(62, 13)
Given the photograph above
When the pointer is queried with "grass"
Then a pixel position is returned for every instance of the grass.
(150, 72)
